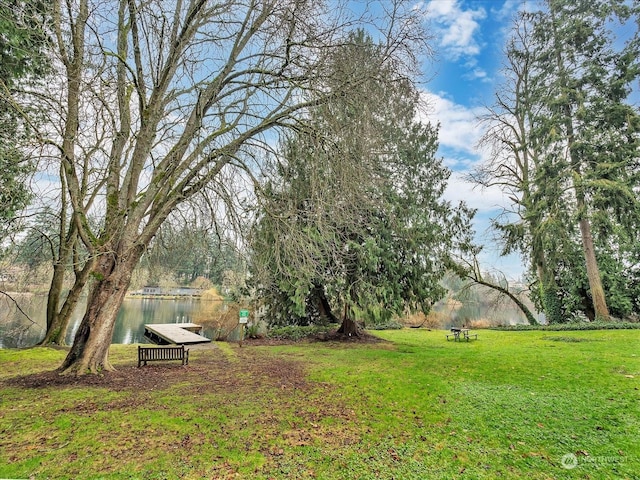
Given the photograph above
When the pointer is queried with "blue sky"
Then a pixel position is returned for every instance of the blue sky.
(469, 36)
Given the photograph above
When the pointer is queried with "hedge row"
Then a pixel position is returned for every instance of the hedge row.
(563, 327)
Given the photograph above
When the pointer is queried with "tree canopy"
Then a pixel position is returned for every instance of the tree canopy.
(353, 219)
(22, 60)
(157, 102)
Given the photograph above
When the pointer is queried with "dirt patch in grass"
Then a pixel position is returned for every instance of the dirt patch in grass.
(363, 338)
(231, 412)
(208, 370)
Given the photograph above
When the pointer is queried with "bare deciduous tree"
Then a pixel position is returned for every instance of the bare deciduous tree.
(159, 99)
(514, 166)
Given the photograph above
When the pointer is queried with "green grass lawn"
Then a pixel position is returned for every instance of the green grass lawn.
(509, 405)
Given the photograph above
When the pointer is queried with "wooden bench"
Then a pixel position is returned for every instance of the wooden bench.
(153, 354)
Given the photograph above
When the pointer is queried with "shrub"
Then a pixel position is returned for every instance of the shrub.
(481, 323)
(253, 331)
(202, 283)
(434, 320)
(221, 317)
(297, 332)
(388, 325)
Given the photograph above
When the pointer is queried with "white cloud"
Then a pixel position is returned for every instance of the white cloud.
(459, 128)
(485, 200)
(475, 71)
(477, 74)
(455, 27)
(508, 9)
(459, 134)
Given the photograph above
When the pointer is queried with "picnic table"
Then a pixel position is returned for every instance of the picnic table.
(460, 334)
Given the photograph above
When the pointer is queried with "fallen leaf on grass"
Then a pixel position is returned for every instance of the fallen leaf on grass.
(394, 454)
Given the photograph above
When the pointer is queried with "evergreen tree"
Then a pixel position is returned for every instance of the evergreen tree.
(22, 41)
(353, 220)
(576, 199)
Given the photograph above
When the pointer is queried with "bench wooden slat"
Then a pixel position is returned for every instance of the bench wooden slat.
(152, 354)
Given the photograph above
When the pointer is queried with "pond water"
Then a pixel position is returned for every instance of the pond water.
(16, 331)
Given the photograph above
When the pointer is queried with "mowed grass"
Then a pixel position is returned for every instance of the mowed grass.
(509, 405)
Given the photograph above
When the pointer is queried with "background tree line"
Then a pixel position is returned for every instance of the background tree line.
(179, 254)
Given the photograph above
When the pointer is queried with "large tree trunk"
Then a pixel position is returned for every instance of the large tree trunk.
(321, 303)
(53, 302)
(593, 272)
(90, 351)
(61, 258)
(550, 301)
(58, 317)
(349, 327)
(548, 288)
(57, 327)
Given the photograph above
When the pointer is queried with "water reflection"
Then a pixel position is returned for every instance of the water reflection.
(136, 312)
(16, 331)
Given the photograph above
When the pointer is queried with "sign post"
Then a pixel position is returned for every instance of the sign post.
(244, 318)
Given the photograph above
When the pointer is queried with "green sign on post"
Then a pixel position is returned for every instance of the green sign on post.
(244, 318)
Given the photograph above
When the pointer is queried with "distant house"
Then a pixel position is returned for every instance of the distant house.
(153, 291)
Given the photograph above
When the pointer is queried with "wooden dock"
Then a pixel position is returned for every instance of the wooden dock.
(175, 333)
